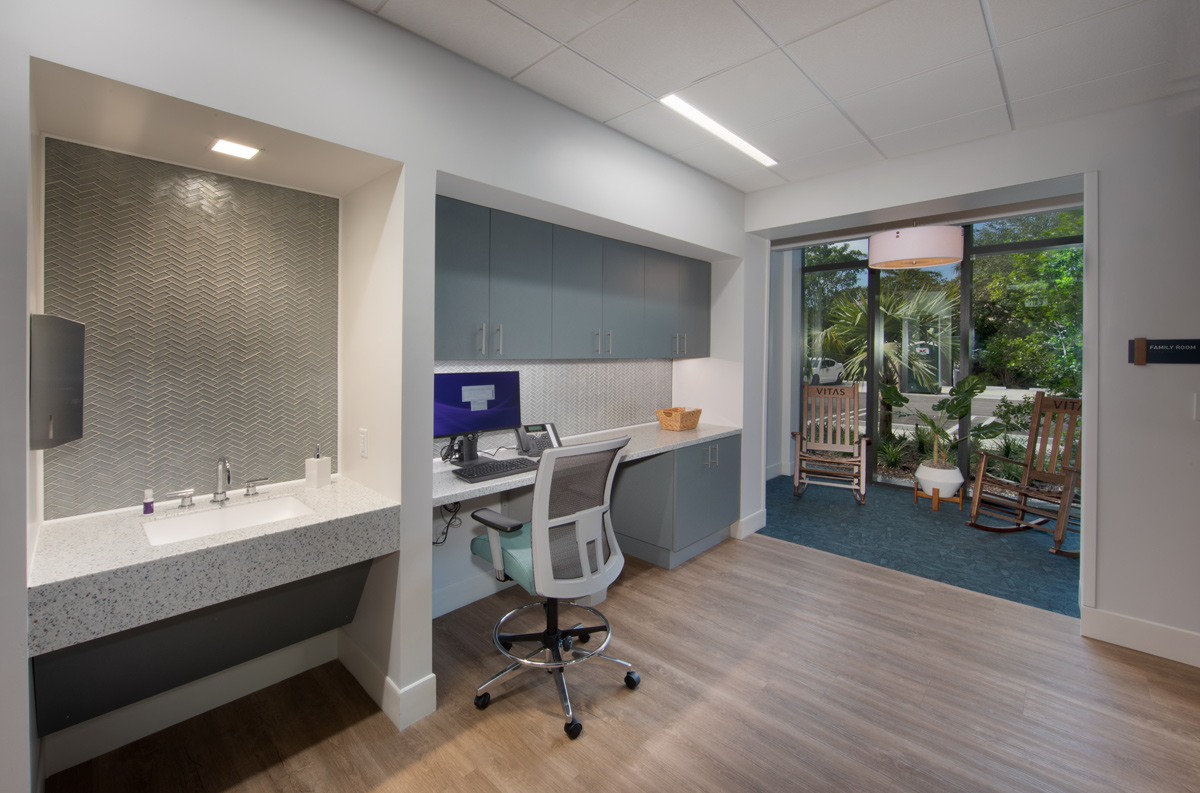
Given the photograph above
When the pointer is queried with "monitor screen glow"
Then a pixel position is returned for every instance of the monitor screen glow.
(469, 402)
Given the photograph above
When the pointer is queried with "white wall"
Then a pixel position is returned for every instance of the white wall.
(1141, 539)
(326, 69)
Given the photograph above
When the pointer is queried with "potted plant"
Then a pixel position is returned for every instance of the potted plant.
(938, 471)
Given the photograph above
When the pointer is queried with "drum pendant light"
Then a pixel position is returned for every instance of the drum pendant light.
(924, 246)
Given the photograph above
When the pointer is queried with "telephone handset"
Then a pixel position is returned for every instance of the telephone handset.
(534, 438)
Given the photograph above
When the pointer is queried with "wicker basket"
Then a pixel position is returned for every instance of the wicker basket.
(678, 419)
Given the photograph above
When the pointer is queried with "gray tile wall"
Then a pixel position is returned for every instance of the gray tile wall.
(210, 306)
(578, 396)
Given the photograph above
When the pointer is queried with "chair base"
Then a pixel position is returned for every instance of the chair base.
(1041, 524)
(554, 652)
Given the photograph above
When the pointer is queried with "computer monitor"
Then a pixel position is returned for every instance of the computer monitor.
(468, 403)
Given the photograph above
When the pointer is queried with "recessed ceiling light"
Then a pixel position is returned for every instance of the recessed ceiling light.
(696, 117)
(236, 149)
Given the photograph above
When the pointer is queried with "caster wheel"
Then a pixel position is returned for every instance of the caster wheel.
(568, 643)
(584, 638)
(573, 729)
(483, 700)
(631, 680)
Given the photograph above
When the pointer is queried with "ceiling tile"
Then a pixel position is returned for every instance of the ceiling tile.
(766, 88)
(577, 83)
(1080, 100)
(846, 157)
(1117, 41)
(1016, 19)
(788, 20)
(799, 135)
(564, 21)
(661, 46)
(657, 125)
(475, 29)
(971, 126)
(943, 93)
(718, 158)
(891, 42)
(751, 181)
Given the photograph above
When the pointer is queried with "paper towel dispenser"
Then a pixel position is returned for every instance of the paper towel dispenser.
(55, 381)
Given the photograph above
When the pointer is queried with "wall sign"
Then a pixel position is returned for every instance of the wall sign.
(1144, 351)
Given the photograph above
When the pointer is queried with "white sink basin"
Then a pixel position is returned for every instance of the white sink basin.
(215, 521)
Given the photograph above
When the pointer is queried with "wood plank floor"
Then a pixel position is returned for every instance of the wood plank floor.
(765, 666)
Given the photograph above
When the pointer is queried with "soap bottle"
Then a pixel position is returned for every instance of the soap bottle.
(148, 501)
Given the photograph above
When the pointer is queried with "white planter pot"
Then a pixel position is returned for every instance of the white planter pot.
(946, 480)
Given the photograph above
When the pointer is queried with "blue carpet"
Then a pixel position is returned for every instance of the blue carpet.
(890, 531)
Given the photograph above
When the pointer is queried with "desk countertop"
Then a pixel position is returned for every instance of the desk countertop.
(98, 574)
(644, 440)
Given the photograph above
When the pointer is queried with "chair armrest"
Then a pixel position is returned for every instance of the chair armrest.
(990, 457)
(494, 520)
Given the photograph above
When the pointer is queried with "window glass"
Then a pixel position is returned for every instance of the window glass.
(1026, 228)
(835, 253)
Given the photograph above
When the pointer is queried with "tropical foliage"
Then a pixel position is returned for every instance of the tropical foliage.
(945, 415)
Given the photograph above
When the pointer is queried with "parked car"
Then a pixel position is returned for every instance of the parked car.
(826, 371)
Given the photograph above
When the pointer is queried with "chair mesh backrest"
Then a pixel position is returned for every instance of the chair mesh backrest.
(578, 483)
(831, 420)
(574, 551)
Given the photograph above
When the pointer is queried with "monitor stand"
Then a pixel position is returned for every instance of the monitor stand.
(466, 450)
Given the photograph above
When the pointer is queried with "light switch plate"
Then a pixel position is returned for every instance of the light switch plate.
(362, 443)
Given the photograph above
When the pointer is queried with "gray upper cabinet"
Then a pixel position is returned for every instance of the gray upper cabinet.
(624, 299)
(661, 336)
(512, 287)
(695, 298)
(577, 310)
(521, 260)
(462, 288)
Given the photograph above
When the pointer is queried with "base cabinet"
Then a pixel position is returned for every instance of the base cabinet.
(672, 506)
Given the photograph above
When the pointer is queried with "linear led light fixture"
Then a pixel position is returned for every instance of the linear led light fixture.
(699, 119)
(236, 149)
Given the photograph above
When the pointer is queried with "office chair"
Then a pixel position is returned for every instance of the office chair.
(565, 552)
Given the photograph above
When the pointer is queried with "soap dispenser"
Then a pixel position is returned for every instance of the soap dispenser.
(317, 470)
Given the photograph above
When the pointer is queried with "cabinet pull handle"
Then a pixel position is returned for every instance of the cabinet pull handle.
(610, 342)
(716, 454)
(708, 457)
(675, 344)
(684, 344)
(483, 339)
(500, 339)
(598, 341)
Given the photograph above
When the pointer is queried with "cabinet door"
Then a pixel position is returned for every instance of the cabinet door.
(578, 294)
(461, 281)
(695, 307)
(624, 299)
(643, 500)
(707, 489)
(661, 338)
(521, 254)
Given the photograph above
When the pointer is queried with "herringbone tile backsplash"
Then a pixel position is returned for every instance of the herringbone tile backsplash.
(210, 306)
(578, 396)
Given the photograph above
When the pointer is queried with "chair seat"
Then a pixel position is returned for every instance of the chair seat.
(517, 549)
(1044, 490)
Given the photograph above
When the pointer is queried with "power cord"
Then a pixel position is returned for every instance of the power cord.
(452, 520)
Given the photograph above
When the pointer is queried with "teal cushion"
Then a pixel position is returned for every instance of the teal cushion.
(518, 555)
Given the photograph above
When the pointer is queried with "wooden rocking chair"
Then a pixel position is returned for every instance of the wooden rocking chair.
(1044, 495)
(829, 449)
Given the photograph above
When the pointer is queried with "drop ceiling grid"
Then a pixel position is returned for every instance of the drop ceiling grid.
(909, 75)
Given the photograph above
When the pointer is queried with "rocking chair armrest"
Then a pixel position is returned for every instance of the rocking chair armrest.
(494, 520)
(989, 457)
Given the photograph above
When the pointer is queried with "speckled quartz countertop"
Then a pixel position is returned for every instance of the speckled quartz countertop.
(98, 574)
(644, 440)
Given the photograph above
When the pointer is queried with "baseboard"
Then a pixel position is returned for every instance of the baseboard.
(748, 525)
(775, 469)
(94, 737)
(1148, 637)
(404, 706)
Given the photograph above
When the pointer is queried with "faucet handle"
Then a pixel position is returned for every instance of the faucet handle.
(252, 485)
(185, 496)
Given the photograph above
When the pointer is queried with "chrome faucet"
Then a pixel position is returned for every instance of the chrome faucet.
(224, 477)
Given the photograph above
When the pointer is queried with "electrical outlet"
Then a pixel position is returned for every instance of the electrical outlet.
(362, 443)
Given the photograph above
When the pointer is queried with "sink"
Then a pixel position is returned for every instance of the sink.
(216, 521)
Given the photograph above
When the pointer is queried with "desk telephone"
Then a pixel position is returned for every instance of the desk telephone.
(534, 438)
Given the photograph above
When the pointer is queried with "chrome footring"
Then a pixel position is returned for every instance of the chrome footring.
(578, 655)
(515, 666)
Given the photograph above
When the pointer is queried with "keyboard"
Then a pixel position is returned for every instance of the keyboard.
(494, 469)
